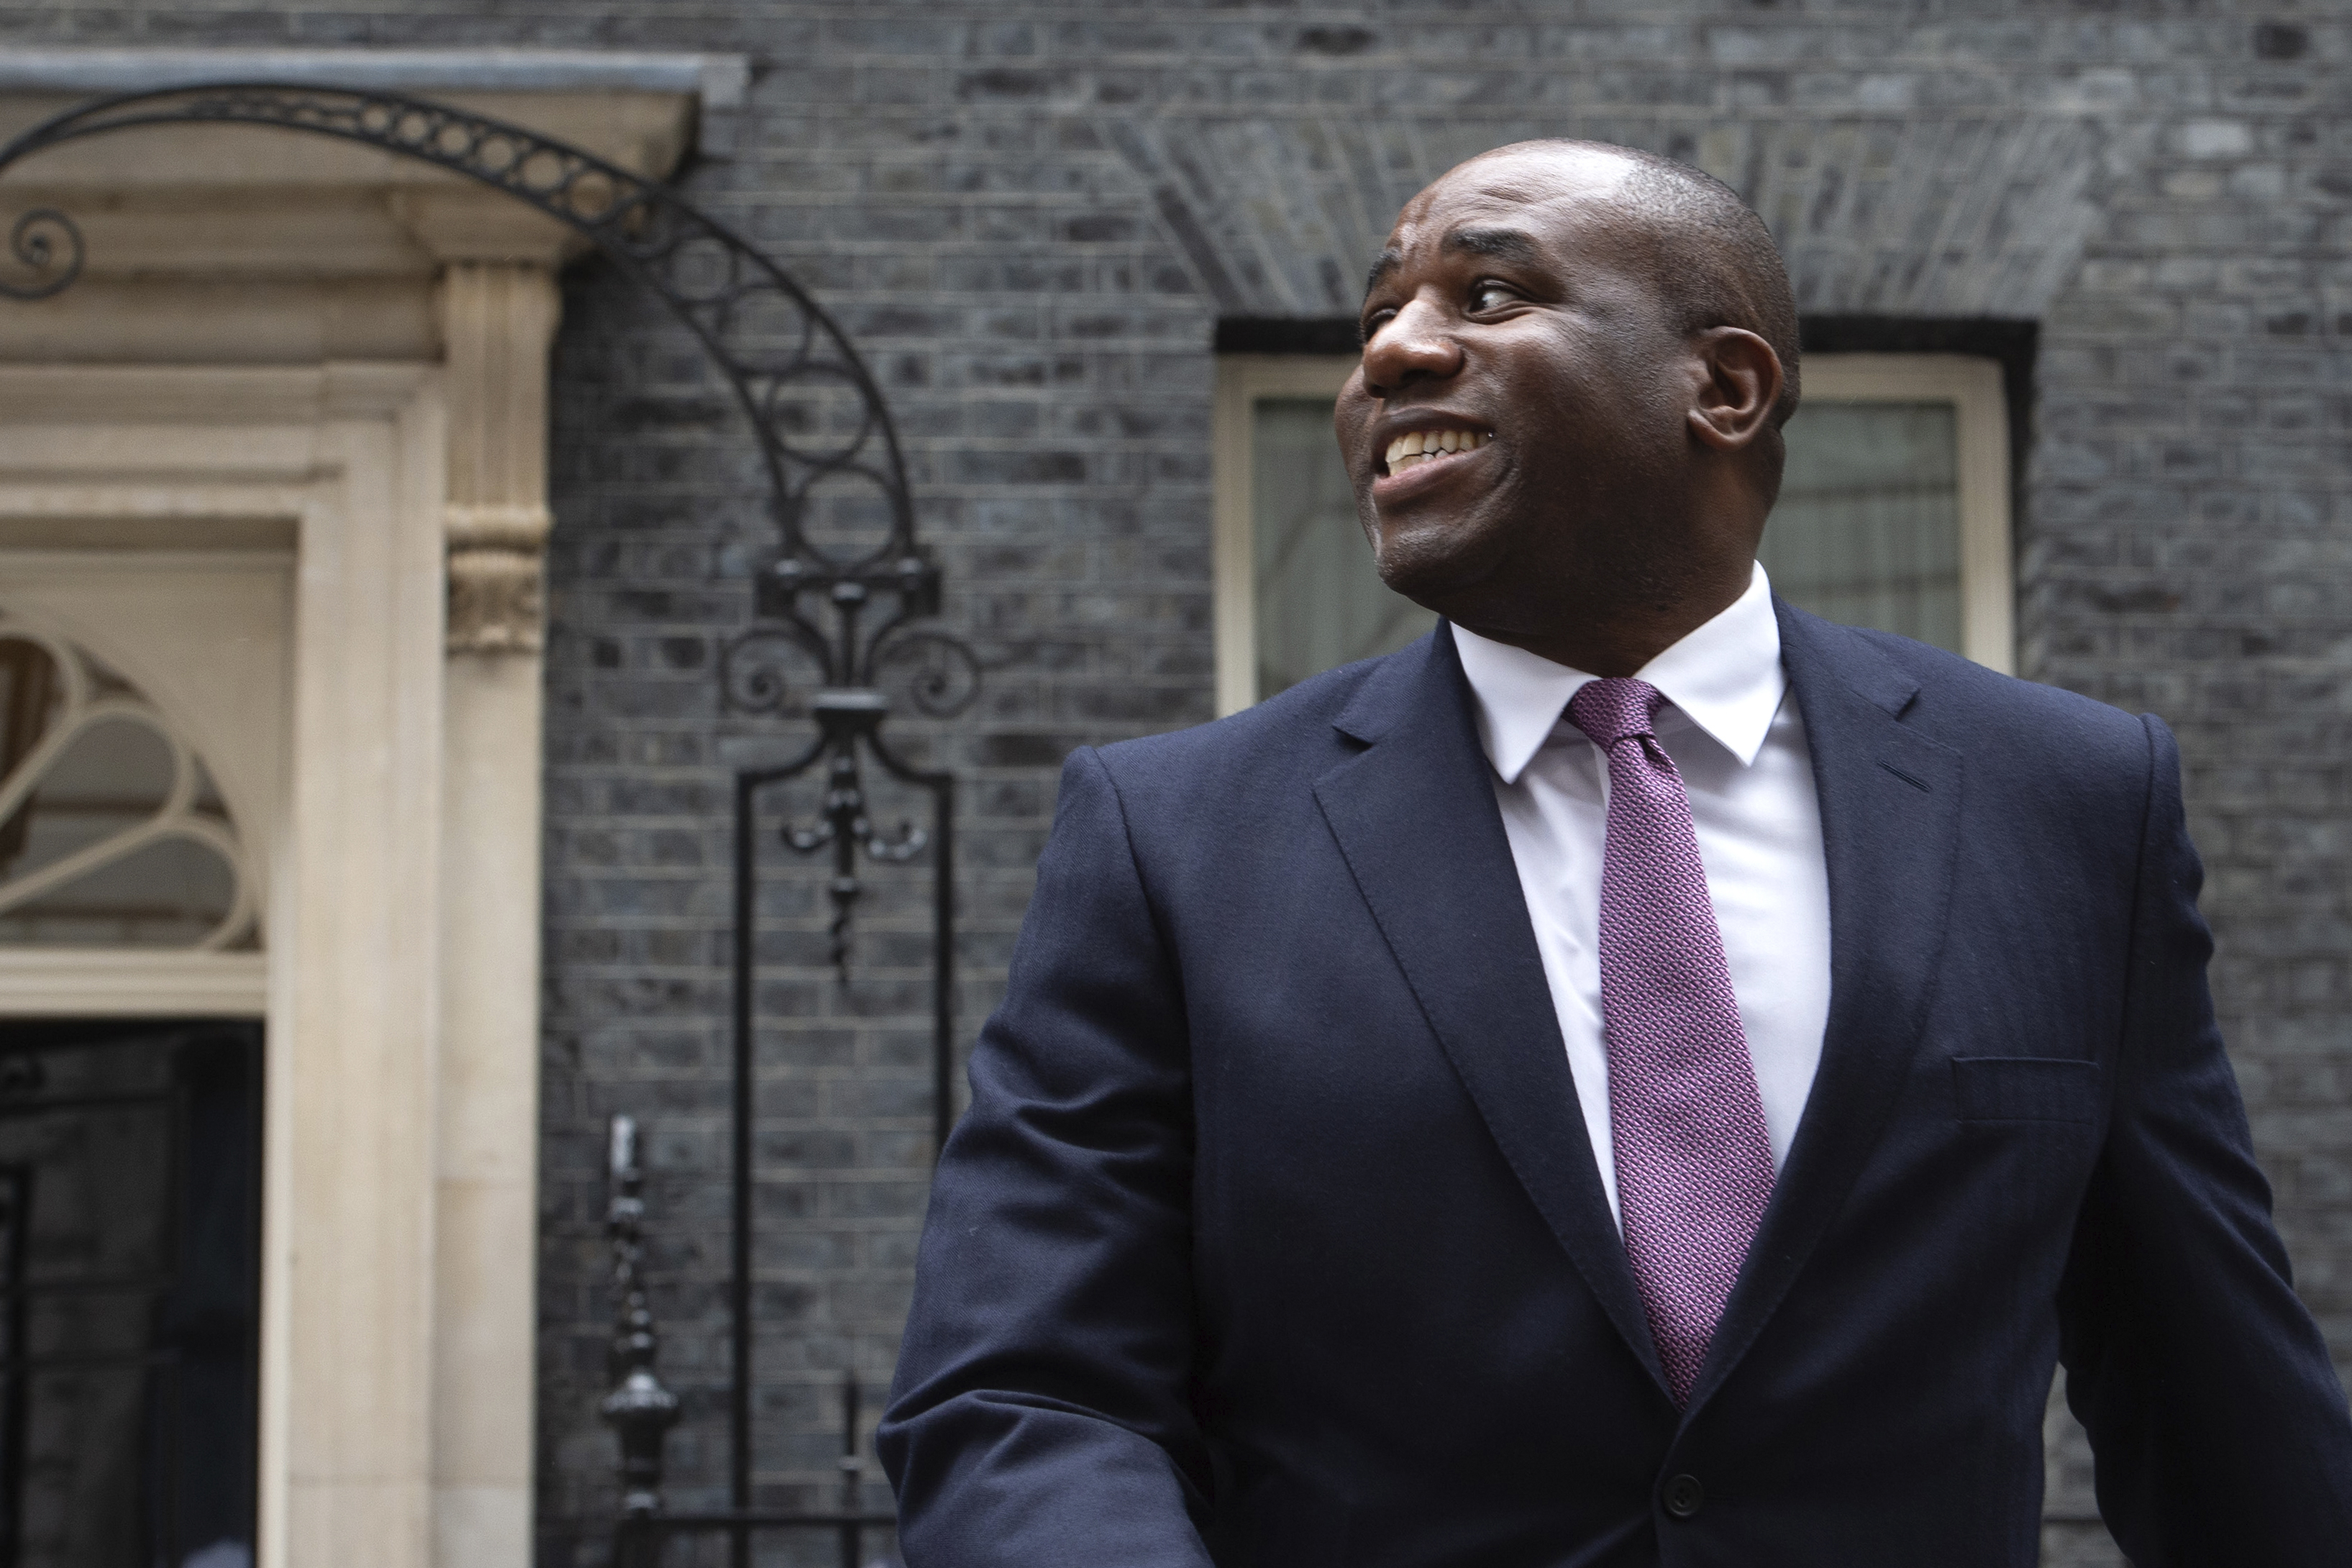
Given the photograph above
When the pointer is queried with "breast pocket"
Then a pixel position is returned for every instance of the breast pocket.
(2025, 1088)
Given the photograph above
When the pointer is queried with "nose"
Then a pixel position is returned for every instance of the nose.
(1413, 345)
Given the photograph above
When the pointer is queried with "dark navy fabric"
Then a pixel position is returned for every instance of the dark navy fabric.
(1272, 1238)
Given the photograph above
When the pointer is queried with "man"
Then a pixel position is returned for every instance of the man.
(1641, 1076)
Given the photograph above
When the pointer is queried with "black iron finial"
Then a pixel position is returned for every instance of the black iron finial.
(844, 719)
(639, 1409)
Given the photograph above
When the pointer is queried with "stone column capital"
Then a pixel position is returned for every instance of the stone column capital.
(498, 318)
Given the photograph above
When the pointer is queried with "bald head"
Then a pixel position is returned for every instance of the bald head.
(1718, 266)
(1712, 259)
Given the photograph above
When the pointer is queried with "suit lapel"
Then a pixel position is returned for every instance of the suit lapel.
(1890, 803)
(1415, 818)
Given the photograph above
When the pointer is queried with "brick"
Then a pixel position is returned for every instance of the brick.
(1029, 218)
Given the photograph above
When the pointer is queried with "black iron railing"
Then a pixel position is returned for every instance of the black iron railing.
(641, 1412)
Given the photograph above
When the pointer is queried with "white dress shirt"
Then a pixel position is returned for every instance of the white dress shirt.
(1739, 745)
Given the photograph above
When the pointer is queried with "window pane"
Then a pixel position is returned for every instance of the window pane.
(113, 834)
(1868, 528)
(1319, 601)
(1866, 532)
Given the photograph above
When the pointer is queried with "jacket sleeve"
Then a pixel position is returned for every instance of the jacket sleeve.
(2218, 1428)
(1041, 1414)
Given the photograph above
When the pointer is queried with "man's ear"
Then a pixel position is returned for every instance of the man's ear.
(1739, 382)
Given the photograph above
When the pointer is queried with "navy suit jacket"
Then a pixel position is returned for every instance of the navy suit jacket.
(1272, 1238)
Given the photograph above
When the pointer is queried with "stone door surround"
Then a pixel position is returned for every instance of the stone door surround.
(323, 370)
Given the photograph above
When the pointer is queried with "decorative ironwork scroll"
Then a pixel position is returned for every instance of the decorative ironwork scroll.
(779, 351)
(843, 586)
(47, 244)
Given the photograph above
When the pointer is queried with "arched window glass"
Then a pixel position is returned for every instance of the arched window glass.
(112, 832)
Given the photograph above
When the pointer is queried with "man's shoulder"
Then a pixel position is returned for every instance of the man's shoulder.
(1990, 716)
(1302, 716)
(1295, 733)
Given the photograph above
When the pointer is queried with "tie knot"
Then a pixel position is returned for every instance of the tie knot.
(1612, 710)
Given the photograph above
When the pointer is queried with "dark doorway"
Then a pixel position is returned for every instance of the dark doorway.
(129, 1285)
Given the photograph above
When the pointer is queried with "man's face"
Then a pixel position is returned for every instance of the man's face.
(1512, 331)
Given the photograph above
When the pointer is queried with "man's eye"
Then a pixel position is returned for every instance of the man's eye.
(1373, 324)
(1489, 297)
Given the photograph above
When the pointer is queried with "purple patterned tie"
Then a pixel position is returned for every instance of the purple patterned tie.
(1694, 1160)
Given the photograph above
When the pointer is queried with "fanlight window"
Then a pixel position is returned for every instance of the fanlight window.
(112, 832)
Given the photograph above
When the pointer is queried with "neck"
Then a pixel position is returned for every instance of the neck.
(1618, 640)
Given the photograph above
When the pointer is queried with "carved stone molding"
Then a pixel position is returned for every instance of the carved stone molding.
(497, 556)
(498, 318)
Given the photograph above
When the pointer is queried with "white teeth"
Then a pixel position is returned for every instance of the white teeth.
(1420, 445)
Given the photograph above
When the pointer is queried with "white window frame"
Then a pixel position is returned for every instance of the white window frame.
(1972, 385)
(1242, 381)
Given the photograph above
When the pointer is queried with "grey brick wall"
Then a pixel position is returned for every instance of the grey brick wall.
(1032, 215)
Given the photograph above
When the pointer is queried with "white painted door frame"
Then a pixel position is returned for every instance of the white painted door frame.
(312, 679)
(344, 370)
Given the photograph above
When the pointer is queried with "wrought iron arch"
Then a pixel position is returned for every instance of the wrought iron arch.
(712, 280)
(788, 363)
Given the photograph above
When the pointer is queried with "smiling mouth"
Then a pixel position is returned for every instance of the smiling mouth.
(1415, 448)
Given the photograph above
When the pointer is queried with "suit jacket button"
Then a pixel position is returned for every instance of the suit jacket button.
(1684, 1497)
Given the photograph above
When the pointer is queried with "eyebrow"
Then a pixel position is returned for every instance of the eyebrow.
(1502, 243)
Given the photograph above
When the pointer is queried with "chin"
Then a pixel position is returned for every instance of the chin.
(1436, 568)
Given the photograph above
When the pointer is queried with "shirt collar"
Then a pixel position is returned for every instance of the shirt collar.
(1725, 677)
